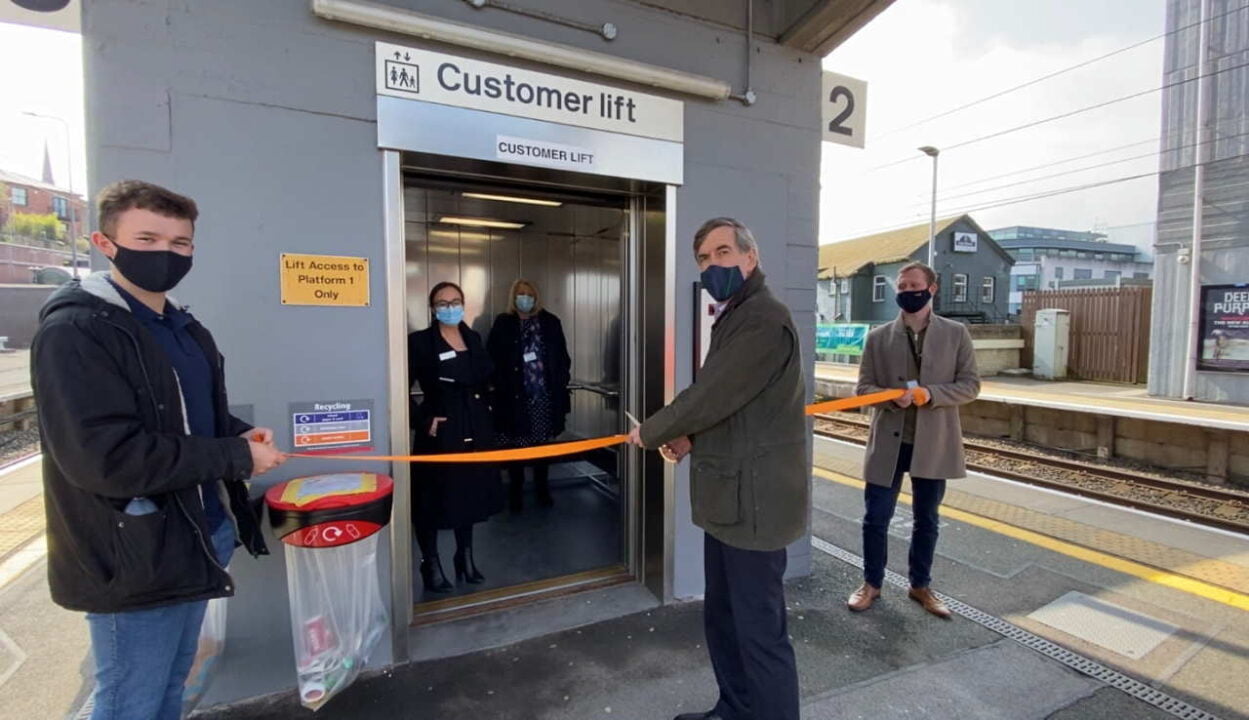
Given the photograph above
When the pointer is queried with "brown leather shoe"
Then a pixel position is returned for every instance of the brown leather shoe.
(863, 598)
(931, 603)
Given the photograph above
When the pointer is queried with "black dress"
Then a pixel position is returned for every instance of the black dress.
(531, 390)
(456, 386)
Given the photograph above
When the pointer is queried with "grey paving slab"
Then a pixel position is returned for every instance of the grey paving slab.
(651, 664)
(1110, 704)
(1002, 680)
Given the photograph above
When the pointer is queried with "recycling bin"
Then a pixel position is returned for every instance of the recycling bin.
(329, 526)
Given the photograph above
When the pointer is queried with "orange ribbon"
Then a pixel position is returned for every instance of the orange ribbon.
(539, 452)
(530, 453)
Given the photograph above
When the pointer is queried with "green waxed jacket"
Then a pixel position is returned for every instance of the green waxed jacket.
(750, 483)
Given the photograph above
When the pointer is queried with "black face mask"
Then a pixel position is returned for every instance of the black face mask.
(914, 301)
(156, 271)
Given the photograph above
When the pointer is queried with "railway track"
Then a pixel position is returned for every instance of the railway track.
(19, 436)
(1203, 504)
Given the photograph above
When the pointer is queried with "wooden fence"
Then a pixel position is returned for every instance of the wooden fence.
(1109, 331)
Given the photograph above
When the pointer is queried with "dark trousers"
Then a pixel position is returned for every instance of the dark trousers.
(747, 634)
(881, 501)
(541, 483)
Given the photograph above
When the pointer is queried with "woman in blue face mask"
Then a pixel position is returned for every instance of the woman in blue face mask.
(453, 369)
(532, 370)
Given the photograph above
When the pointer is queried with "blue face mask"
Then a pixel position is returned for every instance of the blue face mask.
(721, 282)
(525, 303)
(450, 315)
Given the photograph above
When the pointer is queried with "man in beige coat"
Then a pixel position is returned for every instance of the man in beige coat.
(919, 433)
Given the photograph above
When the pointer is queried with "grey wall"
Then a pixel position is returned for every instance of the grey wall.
(1225, 218)
(266, 116)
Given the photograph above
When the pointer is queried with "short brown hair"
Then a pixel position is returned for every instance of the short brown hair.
(118, 197)
(928, 272)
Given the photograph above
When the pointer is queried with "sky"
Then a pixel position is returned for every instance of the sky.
(55, 88)
(921, 58)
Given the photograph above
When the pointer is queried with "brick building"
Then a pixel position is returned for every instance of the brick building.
(22, 194)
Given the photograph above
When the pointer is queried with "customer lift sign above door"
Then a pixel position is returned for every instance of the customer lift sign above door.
(438, 77)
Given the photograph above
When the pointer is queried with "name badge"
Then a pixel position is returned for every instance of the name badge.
(911, 384)
(531, 357)
(448, 355)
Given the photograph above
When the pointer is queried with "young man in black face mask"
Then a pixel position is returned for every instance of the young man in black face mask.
(919, 433)
(143, 465)
(743, 421)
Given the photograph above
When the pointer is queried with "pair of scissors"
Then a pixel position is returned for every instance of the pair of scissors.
(664, 452)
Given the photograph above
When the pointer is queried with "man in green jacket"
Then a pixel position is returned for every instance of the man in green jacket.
(743, 421)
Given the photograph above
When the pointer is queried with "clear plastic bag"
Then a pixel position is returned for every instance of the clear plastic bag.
(212, 644)
(337, 615)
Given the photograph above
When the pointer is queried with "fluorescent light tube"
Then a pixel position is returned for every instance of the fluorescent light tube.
(512, 199)
(481, 222)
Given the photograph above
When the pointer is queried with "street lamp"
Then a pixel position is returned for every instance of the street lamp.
(69, 163)
(932, 152)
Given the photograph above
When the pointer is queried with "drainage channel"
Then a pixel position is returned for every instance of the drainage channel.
(1073, 660)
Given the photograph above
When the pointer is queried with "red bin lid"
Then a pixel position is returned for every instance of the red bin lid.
(324, 492)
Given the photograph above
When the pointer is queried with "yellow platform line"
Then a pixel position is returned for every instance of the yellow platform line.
(1095, 557)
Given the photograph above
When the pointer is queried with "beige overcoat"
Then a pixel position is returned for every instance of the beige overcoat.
(948, 372)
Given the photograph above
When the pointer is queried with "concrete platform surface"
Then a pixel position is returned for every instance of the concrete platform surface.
(1130, 401)
(894, 661)
(620, 657)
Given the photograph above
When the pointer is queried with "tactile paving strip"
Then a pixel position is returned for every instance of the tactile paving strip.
(21, 525)
(1146, 552)
(1129, 547)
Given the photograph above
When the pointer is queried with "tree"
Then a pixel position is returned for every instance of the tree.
(6, 204)
(35, 228)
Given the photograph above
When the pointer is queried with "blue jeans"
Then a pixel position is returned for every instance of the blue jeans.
(142, 657)
(881, 501)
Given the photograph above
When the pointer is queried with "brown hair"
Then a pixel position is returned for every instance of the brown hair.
(928, 272)
(434, 293)
(118, 197)
(511, 298)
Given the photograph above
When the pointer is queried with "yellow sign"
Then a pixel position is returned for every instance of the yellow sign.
(325, 280)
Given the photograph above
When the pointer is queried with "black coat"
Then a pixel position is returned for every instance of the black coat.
(455, 386)
(507, 353)
(113, 428)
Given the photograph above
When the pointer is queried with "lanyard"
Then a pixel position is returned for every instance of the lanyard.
(916, 353)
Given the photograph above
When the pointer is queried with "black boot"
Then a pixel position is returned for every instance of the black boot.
(432, 576)
(465, 569)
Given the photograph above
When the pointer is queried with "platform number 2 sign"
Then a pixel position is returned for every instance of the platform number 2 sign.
(844, 109)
